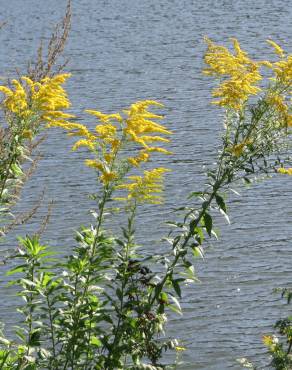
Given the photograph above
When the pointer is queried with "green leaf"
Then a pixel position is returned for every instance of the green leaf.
(208, 223)
(95, 342)
(177, 304)
(4, 341)
(16, 270)
(176, 287)
(220, 202)
(198, 252)
(195, 194)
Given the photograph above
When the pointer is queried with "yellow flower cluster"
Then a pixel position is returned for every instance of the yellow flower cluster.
(113, 132)
(141, 129)
(282, 68)
(42, 100)
(145, 189)
(280, 105)
(285, 171)
(240, 74)
(238, 149)
(271, 341)
(277, 48)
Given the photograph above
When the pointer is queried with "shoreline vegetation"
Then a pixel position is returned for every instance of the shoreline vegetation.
(106, 305)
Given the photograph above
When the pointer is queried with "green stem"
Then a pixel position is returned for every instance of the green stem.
(125, 278)
(51, 329)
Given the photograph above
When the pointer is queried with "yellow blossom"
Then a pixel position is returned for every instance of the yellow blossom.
(136, 161)
(238, 149)
(46, 98)
(106, 131)
(140, 126)
(83, 142)
(27, 134)
(285, 171)
(105, 117)
(158, 150)
(145, 189)
(108, 157)
(283, 70)
(177, 348)
(108, 177)
(241, 74)
(96, 164)
(278, 50)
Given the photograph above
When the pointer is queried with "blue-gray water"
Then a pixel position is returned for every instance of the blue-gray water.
(124, 50)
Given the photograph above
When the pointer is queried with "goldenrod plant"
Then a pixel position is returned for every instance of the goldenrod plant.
(106, 305)
(28, 104)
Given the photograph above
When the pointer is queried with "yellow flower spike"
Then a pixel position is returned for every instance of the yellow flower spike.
(115, 116)
(240, 72)
(60, 79)
(266, 63)
(108, 157)
(28, 81)
(278, 50)
(105, 117)
(177, 348)
(158, 150)
(106, 131)
(285, 171)
(27, 134)
(57, 114)
(267, 340)
(108, 177)
(145, 189)
(94, 164)
(87, 143)
(283, 70)
(278, 102)
(5, 90)
(115, 144)
(237, 150)
(136, 161)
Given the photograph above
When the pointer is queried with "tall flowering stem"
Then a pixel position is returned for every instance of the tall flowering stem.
(135, 129)
(27, 106)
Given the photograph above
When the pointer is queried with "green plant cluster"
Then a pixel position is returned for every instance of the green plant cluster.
(106, 304)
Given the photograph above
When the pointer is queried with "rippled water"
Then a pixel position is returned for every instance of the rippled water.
(124, 50)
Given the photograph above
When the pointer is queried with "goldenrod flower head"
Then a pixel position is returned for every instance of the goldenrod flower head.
(145, 189)
(108, 177)
(83, 142)
(285, 171)
(278, 50)
(106, 131)
(143, 156)
(96, 164)
(283, 70)
(238, 149)
(240, 72)
(45, 99)
(178, 349)
(105, 117)
(16, 98)
(278, 103)
(27, 134)
(158, 150)
(271, 341)
(140, 124)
